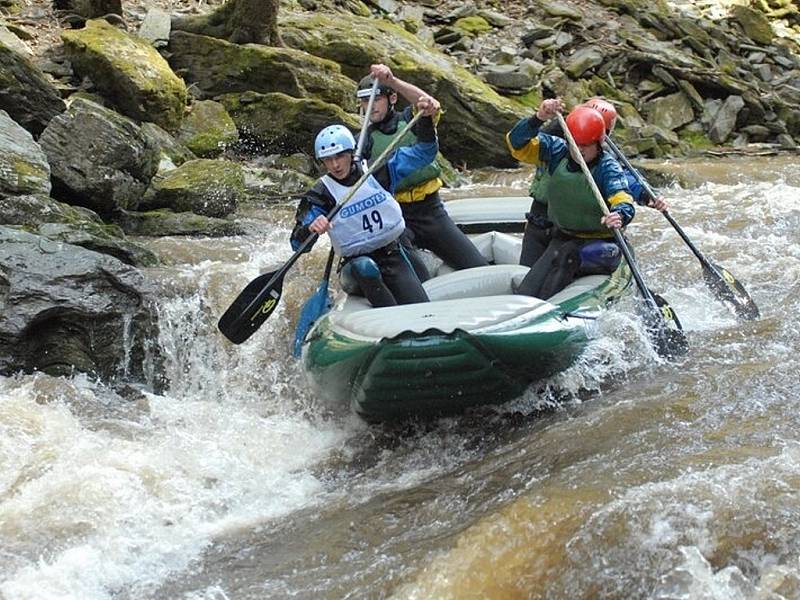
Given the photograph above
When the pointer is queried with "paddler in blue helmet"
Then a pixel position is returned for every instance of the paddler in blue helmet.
(428, 225)
(366, 231)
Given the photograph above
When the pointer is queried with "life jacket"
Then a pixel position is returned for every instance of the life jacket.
(418, 184)
(371, 219)
(571, 203)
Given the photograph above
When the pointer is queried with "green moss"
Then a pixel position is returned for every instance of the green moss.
(27, 170)
(473, 26)
(406, 55)
(696, 139)
(197, 173)
(532, 99)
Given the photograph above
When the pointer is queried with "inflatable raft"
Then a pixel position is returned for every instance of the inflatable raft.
(474, 343)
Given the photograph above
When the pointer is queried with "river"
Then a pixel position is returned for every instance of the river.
(623, 477)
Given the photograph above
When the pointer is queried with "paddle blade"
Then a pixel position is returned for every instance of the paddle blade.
(730, 292)
(254, 304)
(666, 330)
(316, 306)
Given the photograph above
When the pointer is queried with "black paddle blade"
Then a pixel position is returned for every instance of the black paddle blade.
(730, 292)
(664, 328)
(251, 308)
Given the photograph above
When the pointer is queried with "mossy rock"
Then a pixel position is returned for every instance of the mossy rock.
(128, 71)
(163, 222)
(212, 188)
(283, 123)
(530, 99)
(754, 22)
(207, 129)
(167, 146)
(696, 140)
(473, 111)
(218, 67)
(474, 25)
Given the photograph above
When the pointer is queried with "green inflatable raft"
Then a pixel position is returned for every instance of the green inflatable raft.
(474, 343)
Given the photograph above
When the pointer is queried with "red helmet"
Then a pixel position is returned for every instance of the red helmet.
(586, 125)
(606, 109)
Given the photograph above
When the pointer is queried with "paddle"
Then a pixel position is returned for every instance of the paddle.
(258, 300)
(726, 287)
(667, 341)
(319, 302)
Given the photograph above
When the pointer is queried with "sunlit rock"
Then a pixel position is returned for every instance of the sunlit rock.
(128, 71)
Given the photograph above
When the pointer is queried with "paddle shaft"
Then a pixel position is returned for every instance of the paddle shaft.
(280, 273)
(623, 245)
(365, 125)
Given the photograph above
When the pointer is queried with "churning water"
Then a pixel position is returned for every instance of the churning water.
(623, 477)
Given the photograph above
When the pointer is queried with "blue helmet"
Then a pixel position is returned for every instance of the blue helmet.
(333, 140)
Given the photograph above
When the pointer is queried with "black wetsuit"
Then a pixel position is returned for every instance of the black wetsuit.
(428, 225)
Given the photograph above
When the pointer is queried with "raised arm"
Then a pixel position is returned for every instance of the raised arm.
(408, 91)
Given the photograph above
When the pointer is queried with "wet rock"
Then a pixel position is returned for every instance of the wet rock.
(65, 309)
(98, 158)
(283, 123)
(211, 188)
(23, 164)
(101, 238)
(163, 222)
(26, 94)
(218, 67)
(207, 129)
(724, 120)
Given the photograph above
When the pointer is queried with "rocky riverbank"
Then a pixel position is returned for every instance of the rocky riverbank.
(132, 118)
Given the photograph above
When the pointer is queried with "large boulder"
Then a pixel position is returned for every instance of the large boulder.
(25, 93)
(129, 72)
(283, 123)
(98, 158)
(65, 309)
(218, 67)
(475, 116)
(23, 165)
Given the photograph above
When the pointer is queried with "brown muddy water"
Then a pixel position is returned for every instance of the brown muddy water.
(623, 477)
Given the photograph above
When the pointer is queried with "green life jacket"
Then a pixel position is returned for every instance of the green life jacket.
(533, 189)
(571, 204)
(381, 140)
